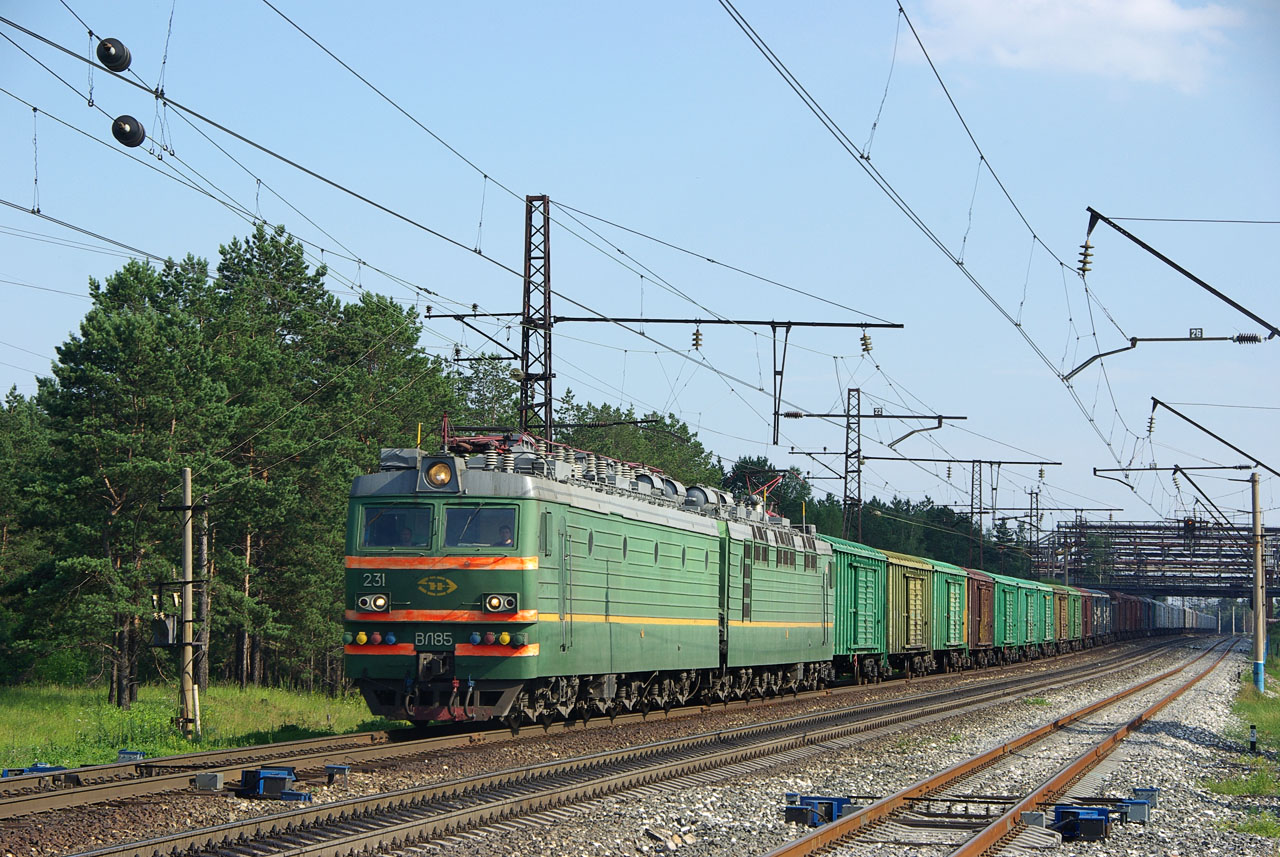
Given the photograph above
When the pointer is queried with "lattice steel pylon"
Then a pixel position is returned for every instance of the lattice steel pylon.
(536, 321)
(852, 528)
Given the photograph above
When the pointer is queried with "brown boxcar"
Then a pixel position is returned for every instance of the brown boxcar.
(1086, 616)
(982, 616)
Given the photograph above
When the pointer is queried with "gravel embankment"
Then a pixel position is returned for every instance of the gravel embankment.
(740, 813)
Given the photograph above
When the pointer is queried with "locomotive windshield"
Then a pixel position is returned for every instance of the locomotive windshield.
(390, 527)
(474, 526)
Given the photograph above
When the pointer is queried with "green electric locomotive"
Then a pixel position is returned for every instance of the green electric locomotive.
(503, 579)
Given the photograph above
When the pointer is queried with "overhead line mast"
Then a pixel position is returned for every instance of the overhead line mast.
(536, 321)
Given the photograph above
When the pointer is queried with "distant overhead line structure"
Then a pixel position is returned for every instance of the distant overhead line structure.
(1186, 556)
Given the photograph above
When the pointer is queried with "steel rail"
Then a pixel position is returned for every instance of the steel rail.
(204, 760)
(81, 786)
(1008, 824)
(593, 775)
(856, 822)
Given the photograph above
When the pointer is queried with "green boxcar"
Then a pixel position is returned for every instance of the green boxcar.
(1040, 632)
(949, 589)
(860, 575)
(909, 613)
(1011, 621)
(1068, 626)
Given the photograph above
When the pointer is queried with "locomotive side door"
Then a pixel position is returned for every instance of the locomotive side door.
(730, 557)
(566, 587)
(827, 584)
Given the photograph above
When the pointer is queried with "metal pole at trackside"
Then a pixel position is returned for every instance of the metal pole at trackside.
(1259, 595)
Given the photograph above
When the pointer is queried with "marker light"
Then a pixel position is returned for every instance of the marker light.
(347, 638)
(362, 638)
(375, 638)
(390, 639)
(439, 474)
(488, 638)
(520, 640)
(475, 638)
(504, 638)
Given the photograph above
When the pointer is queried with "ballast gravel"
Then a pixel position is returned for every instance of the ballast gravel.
(739, 813)
(1191, 740)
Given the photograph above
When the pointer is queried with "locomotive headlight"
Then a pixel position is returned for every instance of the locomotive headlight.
(373, 602)
(499, 602)
(439, 474)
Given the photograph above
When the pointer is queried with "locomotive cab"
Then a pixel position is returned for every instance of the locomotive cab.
(436, 581)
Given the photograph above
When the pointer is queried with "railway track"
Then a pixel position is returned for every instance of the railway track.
(924, 814)
(29, 794)
(90, 775)
(390, 820)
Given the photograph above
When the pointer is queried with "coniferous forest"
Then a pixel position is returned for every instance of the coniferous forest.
(276, 394)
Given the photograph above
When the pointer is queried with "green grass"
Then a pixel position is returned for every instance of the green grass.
(75, 726)
(1262, 778)
(1037, 700)
(1259, 823)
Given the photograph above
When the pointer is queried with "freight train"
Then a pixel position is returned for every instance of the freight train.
(504, 578)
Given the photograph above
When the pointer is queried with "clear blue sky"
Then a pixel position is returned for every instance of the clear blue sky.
(662, 117)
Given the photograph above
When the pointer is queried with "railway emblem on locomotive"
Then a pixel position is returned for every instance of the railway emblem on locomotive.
(437, 585)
